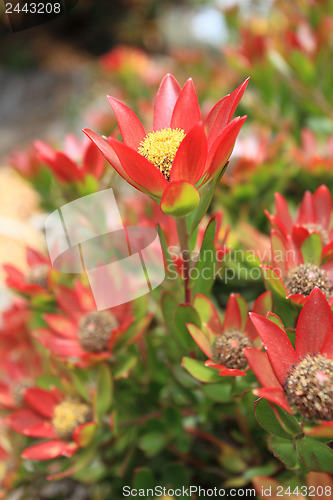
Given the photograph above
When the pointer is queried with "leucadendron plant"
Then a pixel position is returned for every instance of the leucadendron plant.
(181, 387)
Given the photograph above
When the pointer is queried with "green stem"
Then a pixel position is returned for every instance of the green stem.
(184, 243)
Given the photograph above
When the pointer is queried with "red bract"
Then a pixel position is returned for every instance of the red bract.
(312, 155)
(81, 334)
(14, 332)
(299, 378)
(74, 162)
(296, 271)
(223, 343)
(20, 369)
(52, 416)
(313, 216)
(25, 162)
(37, 281)
(182, 153)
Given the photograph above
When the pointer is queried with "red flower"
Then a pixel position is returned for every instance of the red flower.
(38, 279)
(75, 162)
(182, 153)
(80, 333)
(313, 216)
(298, 379)
(296, 271)
(224, 344)
(52, 416)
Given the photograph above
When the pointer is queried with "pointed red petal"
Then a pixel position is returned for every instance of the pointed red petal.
(307, 212)
(221, 149)
(45, 153)
(35, 258)
(29, 423)
(283, 214)
(276, 396)
(105, 148)
(328, 346)
(166, 98)
(186, 112)
(68, 302)
(139, 169)
(227, 108)
(210, 120)
(60, 346)
(279, 348)
(314, 324)
(93, 161)
(261, 367)
(233, 313)
(262, 306)
(49, 450)
(190, 159)
(299, 234)
(279, 252)
(232, 372)
(130, 127)
(42, 401)
(62, 326)
(323, 205)
(85, 297)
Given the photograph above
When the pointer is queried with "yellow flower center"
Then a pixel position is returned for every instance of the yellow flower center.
(68, 415)
(160, 148)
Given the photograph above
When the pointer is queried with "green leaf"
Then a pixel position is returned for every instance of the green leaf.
(165, 247)
(144, 479)
(186, 314)
(267, 419)
(104, 390)
(218, 392)
(285, 450)
(288, 422)
(272, 281)
(315, 456)
(79, 385)
(152, 443)
(176, 476)
(203, 275)
(169, 305)
(124, 365)
(85, 434)
(199, 371)
(312, 249)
